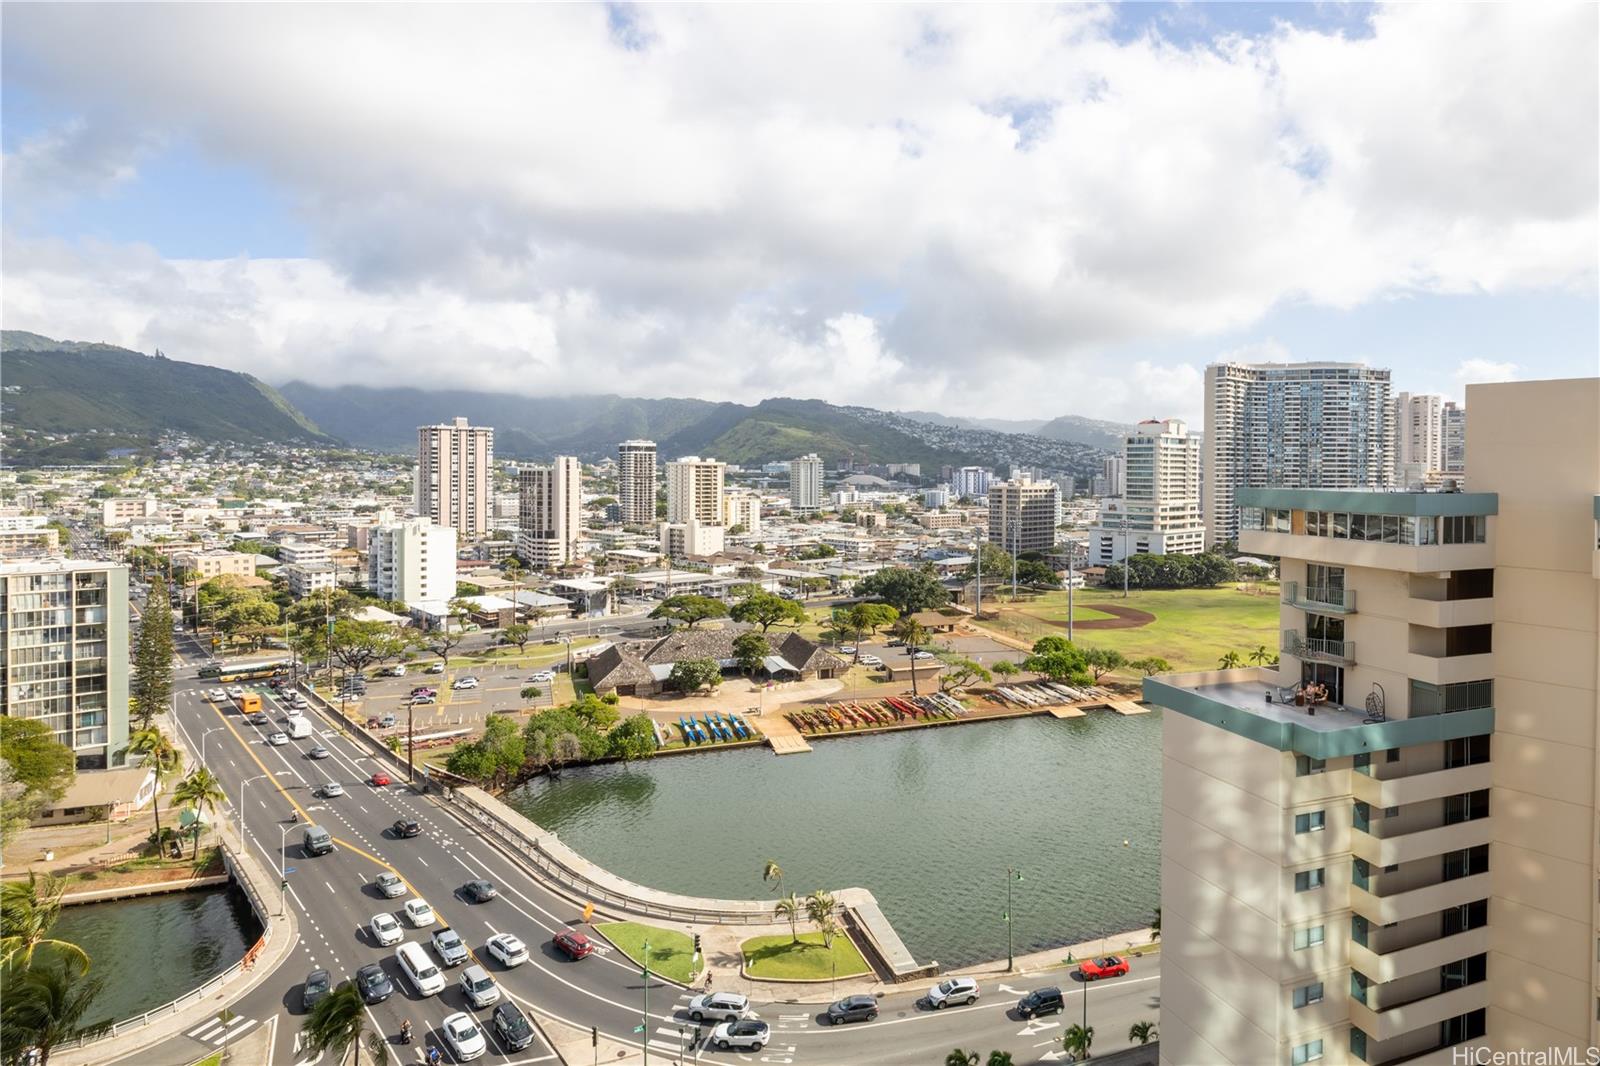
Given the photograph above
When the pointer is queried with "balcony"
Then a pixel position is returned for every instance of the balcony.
(1449, 669)
(1443, 614)
(1428, 955)
(1429, 1010)
(1315, 649)
(1319, 598)
(1416, 902)
(1420, 843)
(1398, 791)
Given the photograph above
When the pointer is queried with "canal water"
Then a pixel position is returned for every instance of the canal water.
(929, 820)
(155, 949)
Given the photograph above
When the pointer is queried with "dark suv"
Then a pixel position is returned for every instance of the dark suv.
(512, 1027)
(853, 1009)
(407, 827)
(1040, 1001)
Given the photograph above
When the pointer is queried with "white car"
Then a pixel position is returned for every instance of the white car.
(507, 950)
(746, 1035)
(466, 1040)
(418, 913)
(397, 670)
(278, 739)
(871, 660)
(291, 712)
(217, 695)
(464, 682)
(386, 930)
(330, 790)
(922, 655)
(847, 649)
(956, 990)
(235, 692)
(726, 1006)
(543, 676)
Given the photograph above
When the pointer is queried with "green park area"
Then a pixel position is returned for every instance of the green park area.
(1192, 628)
(783, 958)
(671, 952)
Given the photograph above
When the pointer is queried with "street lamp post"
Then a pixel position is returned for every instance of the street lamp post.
(1012, 876)
(644, 1022)
(207, 733)
(242, 786)
(283, 867)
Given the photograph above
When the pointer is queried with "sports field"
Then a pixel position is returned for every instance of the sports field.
(1192, 628)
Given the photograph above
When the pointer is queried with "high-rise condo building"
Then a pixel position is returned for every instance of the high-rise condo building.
(636, 481)
(1382, 849)
(550, 515)
(412, 562)
(971, 481)
(1159, 512)
(1297, 425)
(694, 490)
(805, 484)
(742, 509)
(64, 652)
(1023, 515)
(455, 476)
(1454, 418)
(1112, 468)
(1419, 432)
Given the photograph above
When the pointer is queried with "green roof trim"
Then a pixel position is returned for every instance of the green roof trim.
(1319, 744)
(1417, 504)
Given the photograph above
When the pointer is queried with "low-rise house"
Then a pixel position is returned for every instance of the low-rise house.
(643, 669)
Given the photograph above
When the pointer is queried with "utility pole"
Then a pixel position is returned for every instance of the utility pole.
(644, 1023)
(1012, 876)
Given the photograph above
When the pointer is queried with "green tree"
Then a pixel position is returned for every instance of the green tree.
(447, 636)
(633, 738)
(1059, 660)
(202, 791)
(1150, 665)
(905, 589)
(566, 748)
(518, 633)
(531, 692)
(999, 1058)
(915, 634)
(473, 762)
(1230, 661)
(28, 913)
(766, 609)
(958, 1057)
(822, 909)
(751, 650)
(1077, 1040)
(163, 758)
(790, 909)
(152, 660)
(962, 672)
(772, 872)
(502, 741)
(1004, 669)
(1141, 1032)
(1155, 925)
(1260, 655)
(44, 1007)
(690, 610)
(1102, 661)
(692, 675)
(35, 771)
(338, 1022)
(594, 711)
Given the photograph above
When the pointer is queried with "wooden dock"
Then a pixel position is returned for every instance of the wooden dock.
(1063, 711)
(793, 744)
(1127, 707)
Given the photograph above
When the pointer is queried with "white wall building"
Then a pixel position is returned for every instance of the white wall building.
(309, 579)
(550, 518)
(1159, 511)
(971, 481)
(454, 482)
(1114, 469)
(1419, 431)
(805, 484)
(742, 509)
(692, 538)
(1454, 419)
(412, 561)
(636, 481)
(694, 490)
(304, 553)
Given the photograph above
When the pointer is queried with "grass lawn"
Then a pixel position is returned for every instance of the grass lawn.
(213, 1059)
(670, 951)
(780, 958)
(1193, 627)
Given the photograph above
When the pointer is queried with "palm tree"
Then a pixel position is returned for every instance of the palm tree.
(28, 911)
(961, 1058)
(202, 791)
(1260, 655)
(1142, 1032)
(773, 872)
(914, 634)
(789, 908)
(1155, 926)
(45, 1006)
(513, 571)
(999, 1058)
(163, 758)
(820, 908)
(1077, 1039)
(1230, 661)
(338, 1022)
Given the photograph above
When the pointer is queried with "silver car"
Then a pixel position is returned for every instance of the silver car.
(962, 990)
(389, 885)
(479, 987)
(724, 1006)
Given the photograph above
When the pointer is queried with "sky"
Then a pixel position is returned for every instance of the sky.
(998, 210)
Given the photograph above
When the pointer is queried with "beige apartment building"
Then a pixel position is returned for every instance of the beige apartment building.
(1408, 869)
(694, 490)
(205, 565)
(742, 509)
(1023, 514)
(455, 477)
(550, 518)
(636, 481)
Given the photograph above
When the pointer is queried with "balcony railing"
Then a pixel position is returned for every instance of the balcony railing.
(1316, 649)
(1319, 598)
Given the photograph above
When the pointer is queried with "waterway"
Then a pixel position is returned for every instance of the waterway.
(929, 820)
(155, 949)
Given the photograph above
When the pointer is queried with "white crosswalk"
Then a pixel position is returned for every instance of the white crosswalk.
(215, 1031)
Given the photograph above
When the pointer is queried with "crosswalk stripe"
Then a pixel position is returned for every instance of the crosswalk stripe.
(665, 1045)
(207, 1027)
(231, 1033)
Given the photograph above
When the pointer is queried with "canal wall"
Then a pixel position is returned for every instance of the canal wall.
(153, 888)
(544, 851)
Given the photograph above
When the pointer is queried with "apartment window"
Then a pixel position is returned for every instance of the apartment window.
(1306, 995)
(1465, 529)
(1305, 765)
(1306, 880)
(1358, 527)
(1311, 822)
(1308, 937)
(1310, 1051)
(1391, 755)
(1359, 928)
(1359, 983)
(1358, 1044)
(1465, 863)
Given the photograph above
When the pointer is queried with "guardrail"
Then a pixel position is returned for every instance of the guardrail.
(196, 995)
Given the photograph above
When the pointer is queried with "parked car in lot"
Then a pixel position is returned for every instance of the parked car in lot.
(729, 1006)
(422, 701)
(424, 690)
(871, 660)
(922, 655)
(956, 990)
(451, 948)
(1040, 1001)
(418, 913)
(853, 1009)
(749, 1034)
(478, 891)
(543, 677)
(847, 649)
(512, 1027)
(574, 945)
(479, 987)
(465, 682)
(466, 1040)
(373, 984)
(507, 950)
(436, 668)
(397, 670)
(1105, 966)
(388, 721)
(318, 984)
(385, 930)
(389, 885)
(405, 828)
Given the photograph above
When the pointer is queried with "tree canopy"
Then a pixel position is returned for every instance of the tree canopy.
(692, 675)
(1057, 659)
(35, 771)
(905, 589)
(690, 610)
(766, 609)
(1173, 571)
(751, 649)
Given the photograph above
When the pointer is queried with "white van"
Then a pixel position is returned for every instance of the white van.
(300, 727)
(420, 969)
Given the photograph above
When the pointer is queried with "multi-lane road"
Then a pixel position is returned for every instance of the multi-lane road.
(334, 899)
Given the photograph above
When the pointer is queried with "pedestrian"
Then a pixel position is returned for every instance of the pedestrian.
(708, 979)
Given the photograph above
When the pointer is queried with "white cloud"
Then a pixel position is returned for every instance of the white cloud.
(1479, 371)
(965, 206)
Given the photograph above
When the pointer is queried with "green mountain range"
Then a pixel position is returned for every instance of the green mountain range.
(66, 401)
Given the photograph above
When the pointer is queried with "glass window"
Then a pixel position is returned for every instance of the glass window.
(1341, 525)
(1427, 530)
(1305, 765)
(1308, 937)
(1306, 995)
(1358, 527)
(1391, 529)
(1358, 1044)
(1308, 1052)
(1306, 880)
(1310, 822)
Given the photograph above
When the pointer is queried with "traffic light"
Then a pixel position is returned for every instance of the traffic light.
(697, 943)
(594, 1036)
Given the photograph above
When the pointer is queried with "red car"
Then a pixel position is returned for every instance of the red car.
(576, 945)
(1105, 966)
(381, 779)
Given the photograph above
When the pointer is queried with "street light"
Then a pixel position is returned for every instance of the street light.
(283, 871)
(240, 812)
(644, 1022)
(207, 733)
(1012, 876)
